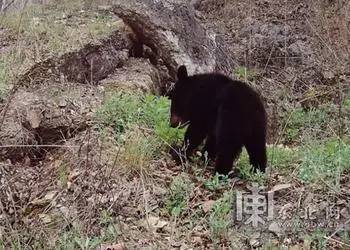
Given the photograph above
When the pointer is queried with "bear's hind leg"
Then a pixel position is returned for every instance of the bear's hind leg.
(229, 142)
(257, 154)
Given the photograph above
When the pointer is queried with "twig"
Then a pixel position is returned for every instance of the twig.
(330, 238)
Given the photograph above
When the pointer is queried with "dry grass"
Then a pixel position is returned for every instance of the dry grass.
(40, 32)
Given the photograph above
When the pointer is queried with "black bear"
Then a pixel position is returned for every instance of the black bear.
(228, 114)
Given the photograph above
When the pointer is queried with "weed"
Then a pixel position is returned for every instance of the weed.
(140, 124)
(347, 102)
(120, 111)
(6, 66)
(3, 79)
(345, 236)
(242, 73)
(325, 161)
(315, 123)
(301, 123)
(282, 158)
(75, 240)
(44, 31)
(106, 221)
(63, 174)
(123, 110)
(271, 246)
(139, 149)
(318, 239)
(220, 217)
(101, 27)
(216, 183)
(156, 116)
(179, 194)
(247, 171)
(105, 217)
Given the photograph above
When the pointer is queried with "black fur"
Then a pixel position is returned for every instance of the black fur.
(228, 114)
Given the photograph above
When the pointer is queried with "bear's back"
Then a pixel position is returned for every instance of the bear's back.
(219, 84)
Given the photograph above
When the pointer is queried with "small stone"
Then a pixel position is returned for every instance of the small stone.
(197, 240)
(345, 213)
(255, 243)
(176, 244)
(275, 228)
(287, 241)
(208, 205)
(155, 222)
(328, 74)
(45, 218)
(159, 191)
(104, 7)
(34, 118)
(199, 154)
(62, 103)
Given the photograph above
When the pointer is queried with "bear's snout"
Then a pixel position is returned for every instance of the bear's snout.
(175, 120)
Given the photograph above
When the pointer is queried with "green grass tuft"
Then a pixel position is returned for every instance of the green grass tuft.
(246, 170)
(220, 218)
(324, 161)
(179, 194)
(123, 110)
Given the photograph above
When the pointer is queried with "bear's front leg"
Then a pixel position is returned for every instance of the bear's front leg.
(210, 147)
(194, 136)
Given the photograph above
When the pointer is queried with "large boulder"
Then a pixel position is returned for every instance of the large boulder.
(175, 36)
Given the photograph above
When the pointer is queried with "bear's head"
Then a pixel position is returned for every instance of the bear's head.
(180, 97)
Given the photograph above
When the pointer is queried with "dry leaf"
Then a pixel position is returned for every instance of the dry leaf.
(207, 205)
(155, 222)
(45, 200)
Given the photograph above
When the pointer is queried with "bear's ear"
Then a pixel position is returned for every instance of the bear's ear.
(182, 72)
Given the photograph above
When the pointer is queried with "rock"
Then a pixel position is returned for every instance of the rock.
(91, 63)
(137, 73)
(176, 37)
(34, 118)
